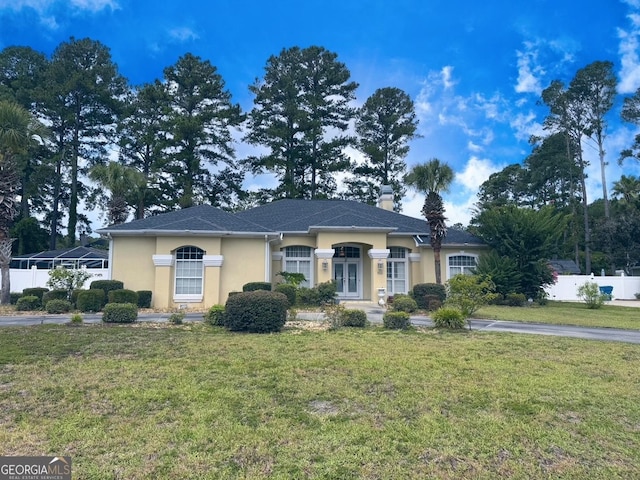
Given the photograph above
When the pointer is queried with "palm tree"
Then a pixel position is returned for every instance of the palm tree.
(628, 188)
(431, 178)
(16, 129)
(124, 183)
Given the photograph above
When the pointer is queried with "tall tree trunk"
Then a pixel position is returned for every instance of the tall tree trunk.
(73, 202)
(438, 264)
(5, 263)
(55, 208)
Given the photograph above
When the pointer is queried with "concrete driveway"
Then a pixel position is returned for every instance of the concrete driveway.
(374, 314)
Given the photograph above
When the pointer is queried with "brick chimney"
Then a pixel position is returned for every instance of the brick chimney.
(385, 201)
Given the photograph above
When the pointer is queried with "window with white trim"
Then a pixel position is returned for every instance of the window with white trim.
(297, 259)
(397, 270)
(461, 263)
(189, 271)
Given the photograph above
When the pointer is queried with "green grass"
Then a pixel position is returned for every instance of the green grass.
(138, 402)
(566, 313)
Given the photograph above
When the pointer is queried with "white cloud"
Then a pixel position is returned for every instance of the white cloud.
(628, 49)
(476, 172)
(183, 34)
(529, 72)
(446, 76)
(44, 8)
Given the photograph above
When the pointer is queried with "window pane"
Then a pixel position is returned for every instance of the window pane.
(188, 271)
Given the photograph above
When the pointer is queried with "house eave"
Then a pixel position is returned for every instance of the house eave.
(182, 233)
(352, 228)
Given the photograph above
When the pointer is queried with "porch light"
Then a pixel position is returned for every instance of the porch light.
(325, 265)
(380, 266)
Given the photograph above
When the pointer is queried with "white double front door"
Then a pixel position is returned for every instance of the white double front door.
(346, 274)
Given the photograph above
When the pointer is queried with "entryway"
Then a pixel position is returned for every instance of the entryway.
(347, 271)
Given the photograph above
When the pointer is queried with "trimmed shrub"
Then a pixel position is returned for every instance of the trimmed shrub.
(54, 295)
(28, 302)
(35, 291)
(421, 290)
(13, 297)
(308, 297)
(354, 318)
(215, 315)
(144, 298)
(515, 299)
(77, 319)
(289, 290)
(123, 296)
(106, 286)
(450, 318)
(435, 299)
(120, 313)
(326, 292)
(253, 286)
(396, 320)
(74, 296)
(403, 303)
(58, 305)
(258, 311)
(90, 300)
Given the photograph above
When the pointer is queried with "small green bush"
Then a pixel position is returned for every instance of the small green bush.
(13, 297)
(35, 291)
(308, 297)
(257, 311)
(289, 290)
(177, 318)
(396, 320)
(120, 313)
(253, 286)
(123, 296)
(144, 298)
(28, 302)
(515, 299)
(58, 305)
(321, 294)
(106, 286)
(354, 318)
(590, 293)
(76, 319)
(54, 295)
(450, 318)
(404, 303)
(215, 315)
(421, 290)
(90, 300)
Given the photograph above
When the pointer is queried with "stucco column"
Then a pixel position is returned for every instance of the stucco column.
(324, 264)
(211, 264)
(378, 258)
(162, 281)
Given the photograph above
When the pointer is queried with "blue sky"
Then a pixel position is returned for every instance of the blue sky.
(474, 69)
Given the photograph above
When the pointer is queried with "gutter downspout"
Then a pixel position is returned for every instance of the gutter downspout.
(110, 270)
(267, 255)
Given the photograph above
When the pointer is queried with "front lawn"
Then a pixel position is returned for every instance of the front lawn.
(566, 313)
(165, 402)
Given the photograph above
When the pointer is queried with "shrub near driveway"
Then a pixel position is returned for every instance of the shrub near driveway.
(120, 313)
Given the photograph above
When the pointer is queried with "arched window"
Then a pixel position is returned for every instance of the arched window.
(189, 271)
(397, 270)
(461, 263)
(298, 260)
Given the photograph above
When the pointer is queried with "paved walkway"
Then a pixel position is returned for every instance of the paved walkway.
(374, 314)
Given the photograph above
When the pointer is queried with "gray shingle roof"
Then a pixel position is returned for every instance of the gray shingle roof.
(290, 216)
(201, 218)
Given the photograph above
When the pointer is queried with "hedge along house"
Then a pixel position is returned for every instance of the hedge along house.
(196, 256)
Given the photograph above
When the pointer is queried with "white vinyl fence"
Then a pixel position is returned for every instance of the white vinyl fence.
(566, 288)
(21, 279)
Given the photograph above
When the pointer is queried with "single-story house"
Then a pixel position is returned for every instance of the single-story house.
(197, 255)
